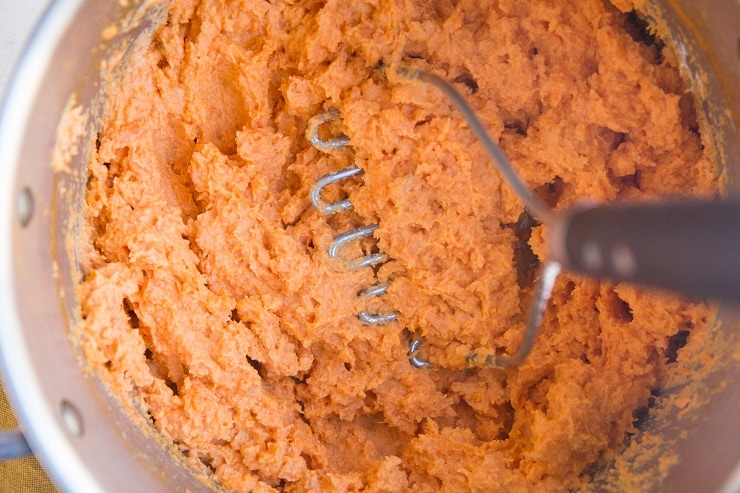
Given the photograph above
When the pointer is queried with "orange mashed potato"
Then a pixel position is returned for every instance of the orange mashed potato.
(209, 297)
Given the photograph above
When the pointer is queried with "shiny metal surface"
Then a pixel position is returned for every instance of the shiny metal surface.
(80, 435)
(708, 454)
(13, 445)
(78, 432)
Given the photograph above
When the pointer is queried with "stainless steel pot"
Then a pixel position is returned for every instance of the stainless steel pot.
(79, 433)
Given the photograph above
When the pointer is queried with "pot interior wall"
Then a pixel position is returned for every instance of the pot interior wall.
(120, 457)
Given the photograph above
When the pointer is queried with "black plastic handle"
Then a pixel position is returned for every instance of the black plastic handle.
(688, 247)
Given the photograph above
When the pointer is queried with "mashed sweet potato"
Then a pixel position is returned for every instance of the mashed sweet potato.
(209, 297)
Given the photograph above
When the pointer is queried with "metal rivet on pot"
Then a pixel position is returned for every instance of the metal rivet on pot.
(24, 207)
(71, 418)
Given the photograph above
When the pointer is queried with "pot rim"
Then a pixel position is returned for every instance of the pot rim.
(42, 422)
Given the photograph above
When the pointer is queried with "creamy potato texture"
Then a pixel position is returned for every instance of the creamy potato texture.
(209, 297)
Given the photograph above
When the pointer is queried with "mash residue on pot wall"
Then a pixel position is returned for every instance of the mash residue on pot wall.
(209, 296)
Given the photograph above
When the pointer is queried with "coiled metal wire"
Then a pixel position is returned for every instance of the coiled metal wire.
(335, 248)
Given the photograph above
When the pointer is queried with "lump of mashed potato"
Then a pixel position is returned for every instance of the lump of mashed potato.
(210, 299)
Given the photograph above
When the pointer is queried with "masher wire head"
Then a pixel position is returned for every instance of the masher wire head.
(482, 357)
(549, 271)
(334, 250)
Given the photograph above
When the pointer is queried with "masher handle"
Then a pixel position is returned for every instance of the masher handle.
(690, 247)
